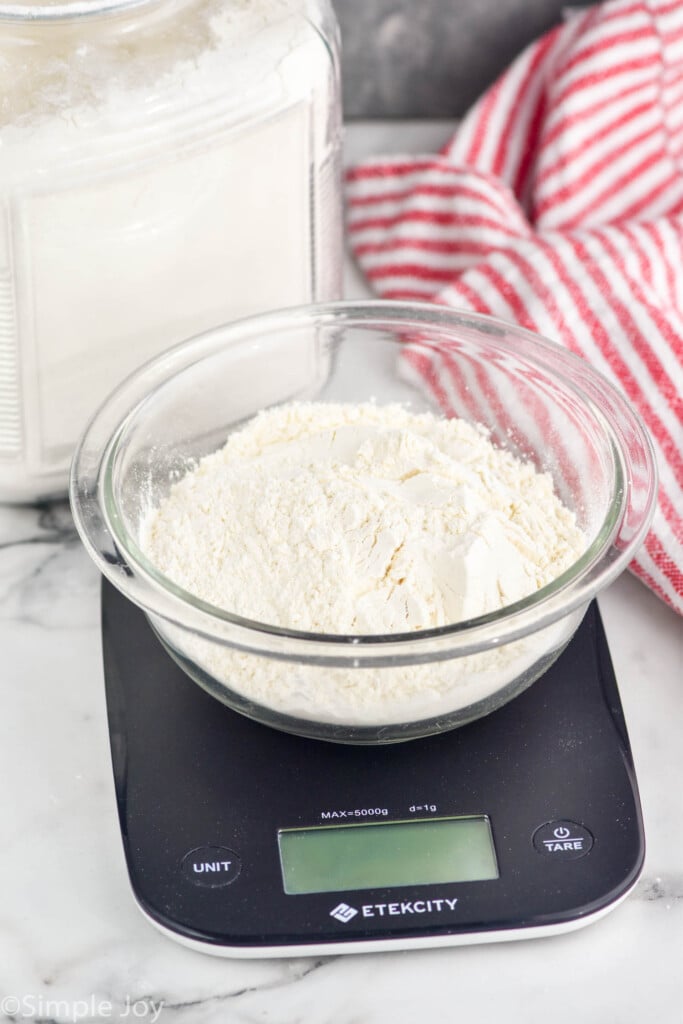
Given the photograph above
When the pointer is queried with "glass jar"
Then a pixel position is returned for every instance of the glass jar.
(165, 166)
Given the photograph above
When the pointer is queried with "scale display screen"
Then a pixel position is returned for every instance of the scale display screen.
(334, 858)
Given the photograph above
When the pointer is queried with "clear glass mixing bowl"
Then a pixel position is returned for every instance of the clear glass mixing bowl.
(535, 398)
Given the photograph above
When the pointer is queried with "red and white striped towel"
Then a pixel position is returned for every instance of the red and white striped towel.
(559, 205)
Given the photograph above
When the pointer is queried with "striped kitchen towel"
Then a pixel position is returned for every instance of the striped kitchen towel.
(559, 205)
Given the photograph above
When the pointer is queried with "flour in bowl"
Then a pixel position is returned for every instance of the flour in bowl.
(338, 518)
(361, 519)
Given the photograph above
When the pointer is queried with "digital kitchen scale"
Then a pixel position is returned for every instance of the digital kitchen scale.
(244, 841)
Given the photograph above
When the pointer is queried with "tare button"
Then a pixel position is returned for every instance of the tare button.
(565, 840)
(211, 866)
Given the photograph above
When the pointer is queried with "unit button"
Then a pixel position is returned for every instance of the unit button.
(211, 866)
(563, 839)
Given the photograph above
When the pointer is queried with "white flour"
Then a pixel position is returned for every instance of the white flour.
(362, 519)
(138, 147)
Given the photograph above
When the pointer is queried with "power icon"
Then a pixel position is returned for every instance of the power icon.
(561, 832)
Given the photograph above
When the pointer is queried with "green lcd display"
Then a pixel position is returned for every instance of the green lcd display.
(336, 858)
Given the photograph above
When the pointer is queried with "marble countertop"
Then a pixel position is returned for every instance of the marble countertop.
(73, 946)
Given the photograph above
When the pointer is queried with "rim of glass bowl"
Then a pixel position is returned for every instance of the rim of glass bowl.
(120, 560)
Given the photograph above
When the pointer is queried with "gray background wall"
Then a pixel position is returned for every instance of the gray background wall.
(431, 58)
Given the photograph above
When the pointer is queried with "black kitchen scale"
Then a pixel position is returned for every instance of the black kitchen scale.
(244, 841)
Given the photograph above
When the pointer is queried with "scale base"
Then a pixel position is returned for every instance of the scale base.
(192, 777)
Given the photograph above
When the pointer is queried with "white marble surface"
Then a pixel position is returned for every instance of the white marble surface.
(74, 947)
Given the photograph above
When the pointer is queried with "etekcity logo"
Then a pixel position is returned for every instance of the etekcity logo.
(343, 912)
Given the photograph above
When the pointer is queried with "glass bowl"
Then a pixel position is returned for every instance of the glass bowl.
(535, 398)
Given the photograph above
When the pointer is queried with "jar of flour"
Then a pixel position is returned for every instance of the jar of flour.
(165, 166)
